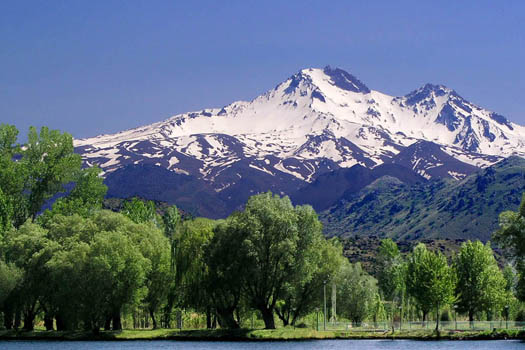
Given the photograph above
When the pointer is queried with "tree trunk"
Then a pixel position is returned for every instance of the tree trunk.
(283, 316)
(168, 309)
(29, 320)
(107, 323)
(48, 322)
(18, 319)
(8, 319)
(117, 323)
(267, 314)
(437, 319)
(208, 317)
(471, 318)
(238, 315)
(61, 326)
(153, 319)
(424, 318)
(226, 319)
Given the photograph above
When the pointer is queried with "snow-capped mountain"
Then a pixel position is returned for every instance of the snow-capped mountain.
(316, 121)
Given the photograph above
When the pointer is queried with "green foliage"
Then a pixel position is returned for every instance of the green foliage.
(50, 163)
(29, 249)
(480, 284)
(430, 281)
(391, 270)
(140, 211)
(357, 292)
(270, 238)
(274, 255)
(171, 220)
(12, 177)
(114, 274)
(226, 264)
(511, 235)
(510, 279)
(10, 277)
(6, 212)
(317, 260)
(32, 174)
(432, 210)
(191, 269)
(84, 199)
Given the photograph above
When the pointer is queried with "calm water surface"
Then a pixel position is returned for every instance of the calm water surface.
(307, 345)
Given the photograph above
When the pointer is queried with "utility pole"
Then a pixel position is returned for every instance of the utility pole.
(317, 313)
(324, 299)
(333, 317)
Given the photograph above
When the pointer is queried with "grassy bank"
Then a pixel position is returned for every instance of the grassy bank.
(259, 335)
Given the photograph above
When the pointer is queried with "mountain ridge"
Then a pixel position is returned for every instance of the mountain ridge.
(315, 122)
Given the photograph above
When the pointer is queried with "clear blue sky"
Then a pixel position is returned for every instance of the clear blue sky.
(94, 66)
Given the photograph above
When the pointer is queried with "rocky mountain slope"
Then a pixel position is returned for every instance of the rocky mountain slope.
(316, 122)
(437, 209)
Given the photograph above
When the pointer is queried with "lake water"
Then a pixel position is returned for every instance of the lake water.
(291, 345)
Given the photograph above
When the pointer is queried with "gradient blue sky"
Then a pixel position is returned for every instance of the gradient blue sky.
(91, 67)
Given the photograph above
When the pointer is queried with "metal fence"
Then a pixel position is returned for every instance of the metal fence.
(418, 325)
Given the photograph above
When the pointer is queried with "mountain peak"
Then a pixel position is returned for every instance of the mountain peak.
(345, 80)
(427, 91)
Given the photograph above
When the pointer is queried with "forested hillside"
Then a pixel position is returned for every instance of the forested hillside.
(445, 208)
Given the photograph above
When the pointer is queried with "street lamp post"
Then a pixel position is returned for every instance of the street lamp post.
(324, 300)
(455, 317)
(506, 317)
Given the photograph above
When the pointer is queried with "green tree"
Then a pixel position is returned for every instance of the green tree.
(510, 279)
(390, 269)
(140, 211)
(317, 260)
(154, 246)
(32, 174)
(227, 269)
(114, 277)
(480, 283)
(430, 281)
(172, 222)
(511, 235)
(85, 198)
(50, 163)
(10, 276)
(391, 274)
(6, 213)
(29, 249)
(12, 178)
(10, 279)
(357, 292)
(270, 239)
(67, 286)
(191, 268)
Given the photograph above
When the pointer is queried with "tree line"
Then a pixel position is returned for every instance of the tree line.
(74, 265)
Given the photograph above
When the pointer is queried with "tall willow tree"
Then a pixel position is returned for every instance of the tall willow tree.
(172, 223)
(357, 292)
(430, 280)
(480, 284)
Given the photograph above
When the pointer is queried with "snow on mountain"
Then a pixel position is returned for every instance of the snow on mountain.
(316, 121)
